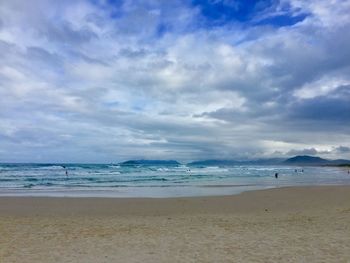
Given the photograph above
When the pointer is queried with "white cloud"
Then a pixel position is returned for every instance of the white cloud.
(320, 87)
(146, 79)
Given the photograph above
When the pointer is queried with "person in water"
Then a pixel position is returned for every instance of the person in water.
(64, 167)
(276, 175)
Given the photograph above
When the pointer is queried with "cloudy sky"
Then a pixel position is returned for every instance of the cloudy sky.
(106, 81)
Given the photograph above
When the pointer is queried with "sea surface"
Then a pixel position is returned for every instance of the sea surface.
(108, 180)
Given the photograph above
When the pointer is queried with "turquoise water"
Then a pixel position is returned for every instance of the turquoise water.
(156, 181)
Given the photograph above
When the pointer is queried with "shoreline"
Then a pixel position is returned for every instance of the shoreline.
(153, 192)
(301, 224)
(249, 201)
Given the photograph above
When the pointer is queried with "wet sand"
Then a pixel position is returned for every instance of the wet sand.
(296, 224)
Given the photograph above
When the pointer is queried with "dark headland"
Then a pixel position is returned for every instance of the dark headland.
(301, 160)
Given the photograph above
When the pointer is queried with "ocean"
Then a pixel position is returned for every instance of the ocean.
(109, 180)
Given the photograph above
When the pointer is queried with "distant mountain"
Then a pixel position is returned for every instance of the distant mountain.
(270, 161)
(216, 162)
(313, 160)
(150, 162)
(341, 162)
(306, 160)
(297, 160)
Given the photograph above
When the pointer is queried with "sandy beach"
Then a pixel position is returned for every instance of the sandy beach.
(305, 224)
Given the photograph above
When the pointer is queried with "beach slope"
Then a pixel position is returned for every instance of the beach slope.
(297, 224)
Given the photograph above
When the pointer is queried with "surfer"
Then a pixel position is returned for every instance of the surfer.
(64, 167)
(276, 175)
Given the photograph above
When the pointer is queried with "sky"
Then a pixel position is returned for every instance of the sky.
(106, 81)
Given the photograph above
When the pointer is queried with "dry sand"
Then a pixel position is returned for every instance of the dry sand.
(306, 224)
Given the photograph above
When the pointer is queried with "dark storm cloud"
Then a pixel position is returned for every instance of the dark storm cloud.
(311, 151)
(342, 149)
(329, 110)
